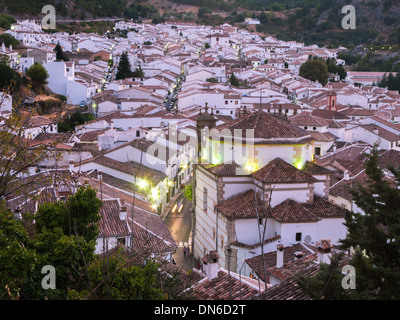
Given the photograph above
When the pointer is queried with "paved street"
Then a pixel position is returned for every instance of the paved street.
(179, 224)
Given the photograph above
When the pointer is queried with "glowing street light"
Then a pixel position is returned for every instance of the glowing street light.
(154, 194)
(142, 184)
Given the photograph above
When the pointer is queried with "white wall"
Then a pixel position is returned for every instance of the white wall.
(331, 228)
(289, 230)
(281, 192)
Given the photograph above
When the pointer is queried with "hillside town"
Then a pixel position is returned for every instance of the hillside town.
(262, 210)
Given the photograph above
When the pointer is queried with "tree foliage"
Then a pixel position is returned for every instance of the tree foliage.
(315, 70)
(124, 67)
(233, 80)
(188, 192)
(38, 75)
(392, 82)
(17, 155)
(60, 56)
(9, 79)
(8, 40)
(373, 236)
(77, 118)
(16, 254)
(375, 233)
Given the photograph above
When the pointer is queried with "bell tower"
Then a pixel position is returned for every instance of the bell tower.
(204, 120)
(331, 100)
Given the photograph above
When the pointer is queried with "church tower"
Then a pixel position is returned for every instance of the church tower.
(204, 120)
(331, 100)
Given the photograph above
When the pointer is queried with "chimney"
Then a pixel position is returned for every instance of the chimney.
(122, 211)
(324, 251)
(279, 255)
(298, 255)
(210, 262)
(346, 175)
(71, 165)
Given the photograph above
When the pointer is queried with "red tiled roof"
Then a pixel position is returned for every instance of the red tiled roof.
(292, 211)
(312, 168)
(224, 287)
(242, 206)
(225, 169)
(267, 127)
(325, 209)
(110, 225)
(279, 171)
(308, 120)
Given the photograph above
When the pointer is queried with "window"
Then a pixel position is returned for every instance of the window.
(236, 102)
(121, 241)
(226, 101)
(137, 133)
(314, 128)
(305, 128)
(298, 236)
(317, 151)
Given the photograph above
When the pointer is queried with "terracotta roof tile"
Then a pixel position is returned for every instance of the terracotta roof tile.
(279, 171)
(292, 211)
(242, 206)
(267, 127)
(224, 287)
(110, 225)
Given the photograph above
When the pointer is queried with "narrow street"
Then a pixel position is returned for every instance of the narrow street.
(179, 223)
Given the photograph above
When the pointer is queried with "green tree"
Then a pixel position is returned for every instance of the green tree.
(68, 254)
(9, 78)
(16, 154)
(124, 67)
(65, 238)
(138, 73)
(78, 216)
(372, 235)
(38, 75)
(233, 80)
(8, 40)
(327, 283)
(212, 80)
(17, 257)
(83, 213)
(315, 70)
(130, 281)
(6, 21)
(203, 11)
(60, 56)
(341, 72)
(375, 235)
(77, 118)
(188, 192)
